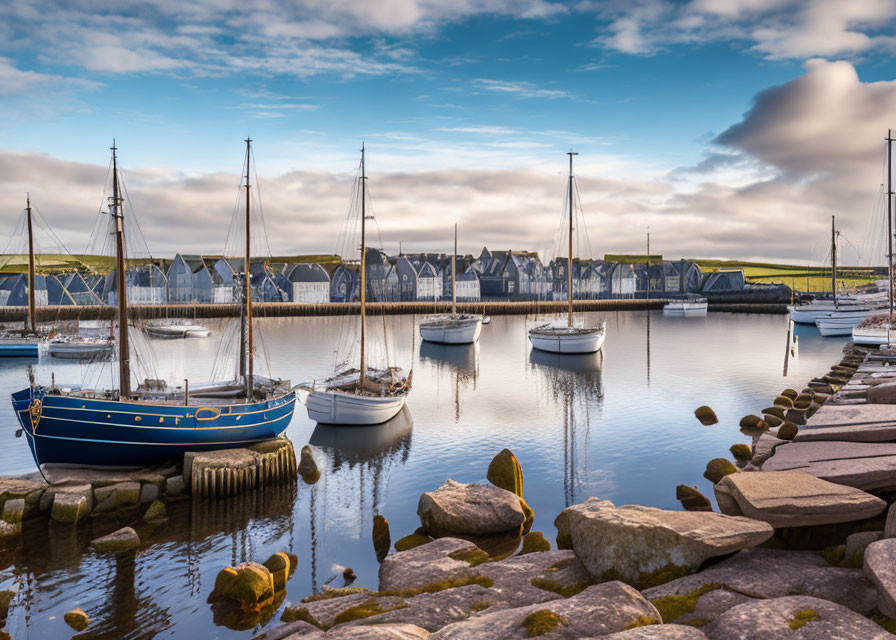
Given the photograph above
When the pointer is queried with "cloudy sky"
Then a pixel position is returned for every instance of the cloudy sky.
(729, 128)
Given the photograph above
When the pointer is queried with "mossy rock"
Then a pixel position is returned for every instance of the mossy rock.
(435, 587)
(706, 415)
(370, 607)
(642, 621)
(473, 557)
(691, 499)
(533, 542)
(308, 466)
(741, 452)
(156, 511)
(247, 584)
(528, 513)
(802, 405)
(783, 401)
(279, 565)
(505, 472)
(673, 607)
(789, 393)
(752, 422)
(543, 621)
(774, 411)
(788, 431)
(565, 590)
(718, 468)
(800, 618)
(411, 541)
(382, 539)
(76, 619)
(296, 614)
(773, 421)
(834, 555)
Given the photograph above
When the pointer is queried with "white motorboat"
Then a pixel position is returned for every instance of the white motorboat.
(365, 395)
(841, 323)
(568, 337)
(175, 330)
(80, 347)
(689, 306)
(874, 335)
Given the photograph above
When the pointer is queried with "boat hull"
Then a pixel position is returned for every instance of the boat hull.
(71, 430)
(77, 351)
(685, 309)
(18, 349)
(582, 342)
(338, 407)
(873, 335)
(463, 332)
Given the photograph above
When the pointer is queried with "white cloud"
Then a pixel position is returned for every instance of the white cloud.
(522, 89)
(15, 81)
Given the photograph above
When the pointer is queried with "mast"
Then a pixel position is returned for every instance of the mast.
(454, 275)
(569, 270)
(834, 262)
(32, 315)
(124, 354)
(363, 275)
(247, 296)
(890, 219)
(648, 265)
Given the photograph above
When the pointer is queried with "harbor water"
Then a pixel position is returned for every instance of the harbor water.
(618, 425)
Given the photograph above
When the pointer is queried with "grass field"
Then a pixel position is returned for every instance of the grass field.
(794, 276)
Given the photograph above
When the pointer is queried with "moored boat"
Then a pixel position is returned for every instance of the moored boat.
(175, 330)
(688, 305)
(80, 347)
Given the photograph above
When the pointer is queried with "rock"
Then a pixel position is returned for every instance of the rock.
(308, 467)
(882, 393)
(148, 493)
(691, 499)
(774, 573)
(856, 543)
(247, 584)
(122, 540)
(861, 465)
(534, 542)
(790, 393)
(854, 423)
(411, 541)
(658, 632)
(427, 564)
(10, 534)
(718, 468)
(879, 567)
(645, 546)
(753, 422)
(793, 617)
(470, 509)
(505, 472)
(76, 619)
(128, 492)
(597, 611)
(773, 421)
(174, 486)
(706, 416)
(890, 526)
(382, 539)
(765, 448)
(349, 576)
(377, 632)
(532, 578)
(280, 565)
(14, 510)
(741, 452)
(796, 416)
(69, 508)
(5, 600)
(787, 431)
(783, 401)
(778, 412)
(794, 499)
(156, 511)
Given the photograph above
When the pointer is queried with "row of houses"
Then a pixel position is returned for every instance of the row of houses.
(493, 275)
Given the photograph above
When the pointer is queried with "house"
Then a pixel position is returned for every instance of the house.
(623, 280)
(47, 290)
(381, 281)
(267, 284)
(467, 289)
(189, 280)
(310, 283)
(345, 285)
(79, 289)
(690, 276)
(429, 282)
(724, 280)
(407, 279)
(146, 285)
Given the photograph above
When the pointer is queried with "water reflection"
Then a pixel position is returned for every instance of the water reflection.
(459, 360)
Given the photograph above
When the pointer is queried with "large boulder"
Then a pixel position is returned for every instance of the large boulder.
(793, 499)
(800, 617)
(382, 539)
(247, 584)
(644, 546)
(861, 465)
(658, 632)
(469, 509)
(882, 393)
(375, 632)
(597, 611)
(880, 568)
(440, 560)
(122, 540)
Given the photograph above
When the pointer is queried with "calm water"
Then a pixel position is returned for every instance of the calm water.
(619, 426)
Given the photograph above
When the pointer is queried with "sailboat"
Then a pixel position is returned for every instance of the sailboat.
(452, 328)
(128, 427)
(364, 395)
(566, 337)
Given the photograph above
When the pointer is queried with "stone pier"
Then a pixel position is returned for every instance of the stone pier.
(229, 472)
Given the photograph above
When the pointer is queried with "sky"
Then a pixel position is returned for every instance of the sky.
(727, 128)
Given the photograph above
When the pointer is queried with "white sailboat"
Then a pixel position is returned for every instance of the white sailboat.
(365, 395)
(452, 328)
(567, 337)
(688, 305)
(175, 330)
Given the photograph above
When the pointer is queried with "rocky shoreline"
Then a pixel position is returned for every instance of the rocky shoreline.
(805, 546)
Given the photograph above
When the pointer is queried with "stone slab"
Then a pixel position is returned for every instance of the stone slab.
(794, 499)
(880, 568)
(861, 465)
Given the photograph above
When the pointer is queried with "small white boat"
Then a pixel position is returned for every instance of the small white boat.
(874, 335)
(486, 319)
(559, 337)
(688, 306)
(175, 330)
(340, 402)
(80, 347)
(841, 323)
(462, 328)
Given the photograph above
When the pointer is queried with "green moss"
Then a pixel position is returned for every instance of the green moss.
(294, 614)
(473, 557)
(741, 452)
(888, 624)
(697, 622)
(534, 542)
(788, 431)
(480, 605)
(778, 412)
(855, 561)
(783, 401)
(505, 472)
(643, 621)
(752, 422)
(773, 421)
(651, 579)
(565, 590)
(442, 585)
(673, 607)
(802, 617)
(370, 607)
(706, 416)
(718, 468)
(411, 541)
(541, 622)
(691, 498)
(564, 541)
(789, 393)
(562, 564)
(336, 593)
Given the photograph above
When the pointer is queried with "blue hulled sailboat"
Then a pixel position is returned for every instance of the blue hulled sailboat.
(153, 423)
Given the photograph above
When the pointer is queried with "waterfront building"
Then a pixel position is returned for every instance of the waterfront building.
(727, 280)
(310, 283)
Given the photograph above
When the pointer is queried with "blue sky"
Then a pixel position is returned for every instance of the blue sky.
(466, 108)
